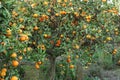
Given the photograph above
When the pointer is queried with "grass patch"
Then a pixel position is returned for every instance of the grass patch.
(31, 73)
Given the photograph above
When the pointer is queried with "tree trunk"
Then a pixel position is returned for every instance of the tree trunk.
(52, 68)
(79, 71)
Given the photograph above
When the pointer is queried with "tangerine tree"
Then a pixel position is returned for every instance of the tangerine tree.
(60, 34)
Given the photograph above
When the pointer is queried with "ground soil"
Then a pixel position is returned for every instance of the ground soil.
(111, 74)
(32, 74)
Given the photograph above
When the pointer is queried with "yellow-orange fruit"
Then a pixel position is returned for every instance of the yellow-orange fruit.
(35, 28)
(103, 0)
(3, 74)
(15, 63)
(4, 70)
(20, 57)
(22, 38)
(68, 60)
(39, 62)
(14, 78)
(8, 34)
(2, 79)
(68, 56)
(14, 55)
(21, 19)
(35, 15)
(71, 66)
(108, 38)
(37, 66)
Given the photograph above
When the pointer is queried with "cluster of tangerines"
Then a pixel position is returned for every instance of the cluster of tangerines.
(37, 64)
(101, 0)
(113, 10)
(3, 73)
(114, 51)
(14, 63)
(8, 33)
(44, 17)
(71, 65)
(23, 37)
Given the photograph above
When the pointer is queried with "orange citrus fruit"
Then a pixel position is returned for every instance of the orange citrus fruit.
(14, 55)
(15, 63)
(14, 78)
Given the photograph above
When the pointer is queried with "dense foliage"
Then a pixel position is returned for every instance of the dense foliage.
(60, 33)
